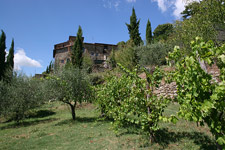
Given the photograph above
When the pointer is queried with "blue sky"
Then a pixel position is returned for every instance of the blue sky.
(36, 25)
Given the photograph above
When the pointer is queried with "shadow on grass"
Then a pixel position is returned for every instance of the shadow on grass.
(27, 123)
(41, 114)
(165, 137)
(78, 120)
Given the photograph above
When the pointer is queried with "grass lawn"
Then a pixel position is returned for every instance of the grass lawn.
(51, 128)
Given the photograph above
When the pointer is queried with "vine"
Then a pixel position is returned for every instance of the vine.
(128, 99)
(201, 99)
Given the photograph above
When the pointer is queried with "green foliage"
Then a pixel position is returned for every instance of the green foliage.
(77, 49)
(50, 68)
(2, 55)
(133, 29)
(121, 45)
(201, 100)
(148, 33)
(71, 86)
(162, 32)
(206, 24)
(112, 59)
(127, 57)
(190, 10)
(129, 99)
(87, 63)
(10, 58)
(19, 96)
(154, 54)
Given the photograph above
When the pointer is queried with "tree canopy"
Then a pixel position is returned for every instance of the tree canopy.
(162, 31)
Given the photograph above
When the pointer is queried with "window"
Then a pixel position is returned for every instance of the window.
(105, 47)
(96, 54)
(68, 60)
(62, 61)
(92, 53)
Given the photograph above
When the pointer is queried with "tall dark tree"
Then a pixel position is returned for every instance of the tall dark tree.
(2, 55)
(10, 57)
(133, 29)
(77, 49)
(148, 33)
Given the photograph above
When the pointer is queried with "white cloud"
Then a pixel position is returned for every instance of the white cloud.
(111, 4)
(116, 5)
(21, 60)
(161, 4)
(177, 6)
(131, 1)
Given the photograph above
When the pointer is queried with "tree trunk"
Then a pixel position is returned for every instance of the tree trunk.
(73, 110)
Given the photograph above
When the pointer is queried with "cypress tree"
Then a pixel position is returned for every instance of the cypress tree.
(148, 33)
(10, 57)
(47, 70)
(2, 55)
(133, 29)
(77, 49)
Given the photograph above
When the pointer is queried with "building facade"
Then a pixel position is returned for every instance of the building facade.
(98, 52)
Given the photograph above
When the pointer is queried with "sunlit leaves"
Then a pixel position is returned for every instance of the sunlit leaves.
(200, 98)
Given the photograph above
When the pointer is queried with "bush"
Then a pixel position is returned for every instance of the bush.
(87, 63)
(19, 96)
(154, 54)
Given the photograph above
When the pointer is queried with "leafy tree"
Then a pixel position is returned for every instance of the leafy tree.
(133, 29)
(87, 62)
(10, 58)
(70, 86)
(77, 49)
(20, 95)
(2, 55)
(162, 32)
(206, 19)
(121, 44)
(127, 57)
(148, 33)
(190, 10)
(154, 54)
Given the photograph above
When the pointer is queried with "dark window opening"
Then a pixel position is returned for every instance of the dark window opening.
(105, 47)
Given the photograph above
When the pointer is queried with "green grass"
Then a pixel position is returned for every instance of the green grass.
(51, 127)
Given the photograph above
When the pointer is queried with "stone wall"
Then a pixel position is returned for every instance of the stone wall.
(170, 90)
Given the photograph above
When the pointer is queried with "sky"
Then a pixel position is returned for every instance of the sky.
(37, 25)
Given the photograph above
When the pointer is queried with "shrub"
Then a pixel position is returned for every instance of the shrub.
(154, 54)
(19, 96)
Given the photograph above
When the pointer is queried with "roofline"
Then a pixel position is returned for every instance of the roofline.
(100, 44)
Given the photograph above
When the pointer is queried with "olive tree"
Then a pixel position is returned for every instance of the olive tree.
(70, 86)
(19, 96)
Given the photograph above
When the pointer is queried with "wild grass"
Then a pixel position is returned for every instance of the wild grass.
(51, 127)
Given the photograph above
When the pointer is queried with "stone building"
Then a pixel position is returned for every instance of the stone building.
(98, 52)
